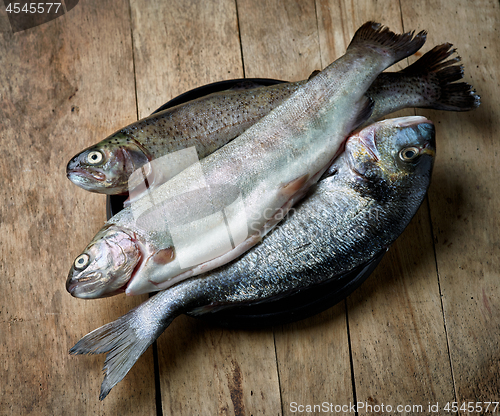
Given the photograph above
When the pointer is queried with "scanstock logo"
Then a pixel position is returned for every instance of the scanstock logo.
(27, 14)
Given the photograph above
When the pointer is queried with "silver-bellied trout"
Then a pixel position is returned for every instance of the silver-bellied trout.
(215, 210)
(358, 210)
(209, 122)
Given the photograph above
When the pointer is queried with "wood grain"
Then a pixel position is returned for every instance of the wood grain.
(180, 45)
(210, 370)
(279, 38)
(395, 319)
(423, 328)
(398, 335)
(64, 85)
(202, 370)
(464, 199)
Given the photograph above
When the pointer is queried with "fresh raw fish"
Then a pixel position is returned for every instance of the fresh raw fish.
(216, 209)
(210, 122)
(352, 215)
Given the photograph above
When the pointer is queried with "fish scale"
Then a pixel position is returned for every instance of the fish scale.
(327, 236)
(275, 161)
(269, 168)
(426, 83)
(167, 130)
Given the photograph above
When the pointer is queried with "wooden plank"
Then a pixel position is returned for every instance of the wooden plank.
(280, 40)
(464, 197)
(337, 22)
(63, 86)
(395, 318)
(182, 45)
(313, 361)
(398, 339)
(69, 83)
(206, 369)
(203, 369)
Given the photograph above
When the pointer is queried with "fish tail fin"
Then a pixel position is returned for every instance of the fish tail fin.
(387, 43)
(124, 341)
(439, 76)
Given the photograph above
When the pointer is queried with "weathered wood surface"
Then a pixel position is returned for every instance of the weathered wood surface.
(64, 85)
(465, 200)
(423, 328)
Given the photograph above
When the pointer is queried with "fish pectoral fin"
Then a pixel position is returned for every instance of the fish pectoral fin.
(210, 308)
(291, 188)
(291, 192)
(134, 197)
(149, 181)
(164, 256)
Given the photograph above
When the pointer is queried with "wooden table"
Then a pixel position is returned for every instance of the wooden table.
(424, 328)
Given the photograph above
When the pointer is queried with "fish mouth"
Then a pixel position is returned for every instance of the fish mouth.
(74, 286)
(83, 175)
(111, 278)
(93, 289)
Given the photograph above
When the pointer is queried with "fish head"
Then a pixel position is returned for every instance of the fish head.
(393, 154)
(105, 267)
(106, 167)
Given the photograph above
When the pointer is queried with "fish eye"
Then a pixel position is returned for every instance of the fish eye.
(82, 261)
(95, 157)
(409, 153)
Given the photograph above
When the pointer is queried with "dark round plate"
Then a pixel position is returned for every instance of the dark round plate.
(294, 306)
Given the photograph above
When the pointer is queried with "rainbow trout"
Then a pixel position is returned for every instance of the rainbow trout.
(210, 122)
(356, 211)
(214, 210)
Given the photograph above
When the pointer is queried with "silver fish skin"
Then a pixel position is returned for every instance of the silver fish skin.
(206, 123)
(267, 169)
(374, 189)
(209, 122)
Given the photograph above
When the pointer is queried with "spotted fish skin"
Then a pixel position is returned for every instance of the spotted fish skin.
(210, 122)
(358, 210)
(267, 169)
(206, 123)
